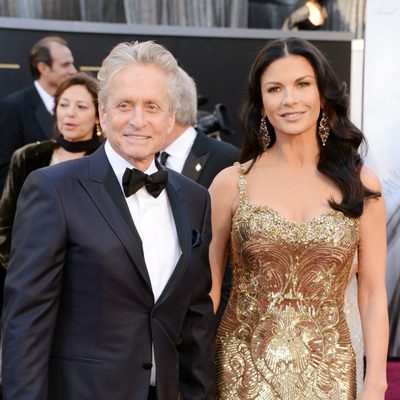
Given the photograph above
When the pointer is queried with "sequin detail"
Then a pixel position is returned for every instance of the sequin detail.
(284, 334)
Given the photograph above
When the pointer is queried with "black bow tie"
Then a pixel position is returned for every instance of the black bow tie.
(133, 180)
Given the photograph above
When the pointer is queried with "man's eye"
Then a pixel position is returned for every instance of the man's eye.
(123, 106)
(152, 107)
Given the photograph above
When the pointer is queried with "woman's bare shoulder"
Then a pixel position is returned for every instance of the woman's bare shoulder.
(370, 180)
(227, 178)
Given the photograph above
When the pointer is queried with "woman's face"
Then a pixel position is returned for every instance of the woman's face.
(291, 100)
(76, 114)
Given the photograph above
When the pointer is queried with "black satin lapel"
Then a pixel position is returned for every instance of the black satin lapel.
(194, 165)
(177, 202)
(44, 120)
(109, 199)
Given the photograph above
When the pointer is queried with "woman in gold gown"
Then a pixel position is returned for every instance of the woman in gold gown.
(294, 214)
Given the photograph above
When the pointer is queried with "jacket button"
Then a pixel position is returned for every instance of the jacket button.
(147, 365)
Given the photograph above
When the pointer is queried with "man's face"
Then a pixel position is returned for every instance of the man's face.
(136, 116)
(62, 66)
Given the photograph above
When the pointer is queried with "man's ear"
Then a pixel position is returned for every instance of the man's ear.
(42, 67)
(102, 113)
(171, 122)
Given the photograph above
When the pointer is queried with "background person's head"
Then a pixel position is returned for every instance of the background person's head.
(51, 62)
(76, 115)
(137, 102)
(186, 105)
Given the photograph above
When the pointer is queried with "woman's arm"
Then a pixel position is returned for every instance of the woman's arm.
(224, 197)
(372, 291)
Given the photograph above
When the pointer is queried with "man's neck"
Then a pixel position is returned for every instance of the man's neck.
(51, 90)
(175, 133)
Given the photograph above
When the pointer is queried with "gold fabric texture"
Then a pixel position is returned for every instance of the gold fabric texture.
(284, 334)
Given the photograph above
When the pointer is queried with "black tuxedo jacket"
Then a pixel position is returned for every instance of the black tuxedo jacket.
(23, 119)
(79, 315)
(207, 158)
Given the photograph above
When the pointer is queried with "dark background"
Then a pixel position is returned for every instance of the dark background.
(219, 65)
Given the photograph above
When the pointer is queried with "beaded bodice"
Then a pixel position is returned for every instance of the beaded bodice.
(284, 333)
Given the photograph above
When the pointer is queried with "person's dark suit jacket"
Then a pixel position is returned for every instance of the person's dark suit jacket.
(23, 119)
(207, 158)
(80, 317)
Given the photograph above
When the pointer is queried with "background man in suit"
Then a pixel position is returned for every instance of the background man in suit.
(189, 151)
(106, 293)
(195, 155)
(26, 115)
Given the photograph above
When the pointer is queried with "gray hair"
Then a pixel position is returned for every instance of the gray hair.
(186, 99)
(124, 54)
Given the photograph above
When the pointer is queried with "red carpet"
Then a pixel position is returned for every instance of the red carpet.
(393, 375)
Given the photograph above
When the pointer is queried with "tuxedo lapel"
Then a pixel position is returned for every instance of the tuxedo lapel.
(197, 158)
(177, 202)
(103, 187)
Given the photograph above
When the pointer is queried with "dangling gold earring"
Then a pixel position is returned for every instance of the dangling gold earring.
(98, 129)
(264, 137)
(323, 128)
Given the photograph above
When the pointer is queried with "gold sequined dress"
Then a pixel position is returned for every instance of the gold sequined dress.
(284, 334)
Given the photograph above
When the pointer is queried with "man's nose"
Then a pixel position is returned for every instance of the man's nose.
(72, 69)
(138, 119)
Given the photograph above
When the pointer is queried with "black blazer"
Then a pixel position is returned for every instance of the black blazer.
(23, 119)
(207, 158)
(79, 316)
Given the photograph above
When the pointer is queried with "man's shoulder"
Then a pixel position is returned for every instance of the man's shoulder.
(219, 146)
(18, 96)
(185, 182)
(67, 169)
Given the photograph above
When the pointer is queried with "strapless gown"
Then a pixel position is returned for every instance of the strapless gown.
(284, 333)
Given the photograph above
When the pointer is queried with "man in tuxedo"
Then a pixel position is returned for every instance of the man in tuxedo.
(190, 151)
(26, 115)
(195, 155)
(106, 294)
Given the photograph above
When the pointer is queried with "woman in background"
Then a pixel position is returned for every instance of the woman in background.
(295, 213)
(77, 133)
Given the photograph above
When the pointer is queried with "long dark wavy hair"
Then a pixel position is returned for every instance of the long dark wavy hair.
(339, 159)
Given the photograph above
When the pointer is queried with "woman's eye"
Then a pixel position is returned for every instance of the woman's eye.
(273, 89)
(81, 107)
(304, 84)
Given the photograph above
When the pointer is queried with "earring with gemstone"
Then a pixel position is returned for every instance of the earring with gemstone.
(264, 137)
(323, 128)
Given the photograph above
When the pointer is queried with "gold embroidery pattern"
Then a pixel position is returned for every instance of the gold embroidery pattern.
(284, 334)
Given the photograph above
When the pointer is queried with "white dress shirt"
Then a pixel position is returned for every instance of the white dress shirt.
(47, 99)
(155, 224)
(179, 149)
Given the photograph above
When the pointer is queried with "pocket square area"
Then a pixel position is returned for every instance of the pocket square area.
(196, 238)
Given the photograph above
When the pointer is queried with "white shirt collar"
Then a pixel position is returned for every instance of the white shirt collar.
(47, 99)
(181, 146)
(119, 164)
